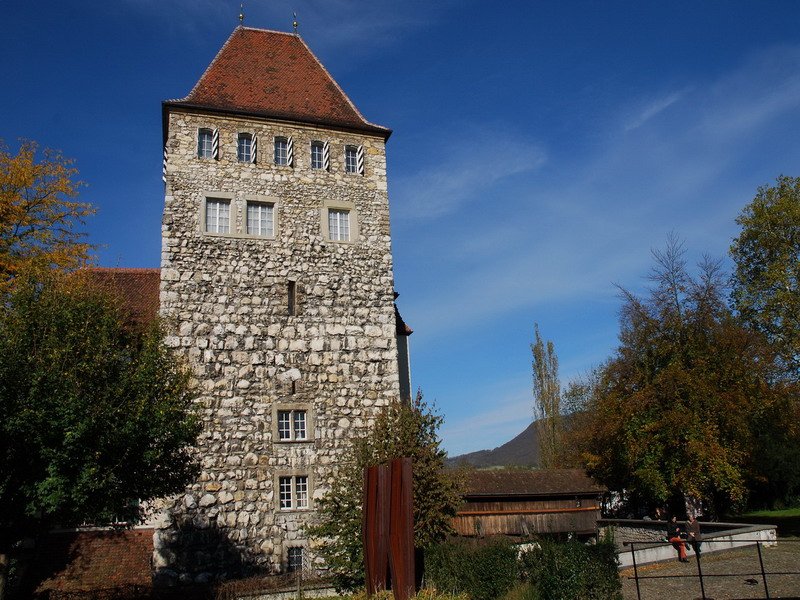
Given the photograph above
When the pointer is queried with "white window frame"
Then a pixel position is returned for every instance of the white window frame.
(293, 491)
(339, 225)
(281, 152)
(240, 155)
(292, 425)
(205, 150)
(212, 218)
(269, 207)
(320, 148)
(351, 159)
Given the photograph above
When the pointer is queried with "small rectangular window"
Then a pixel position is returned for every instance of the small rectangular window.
(205, 148)
(281, 151)
(260, 219)
(293, 492)
(339, 225)
(292, 425)
(351, 159)
(291, 293)
(218, 219)
(294, 559)
(244, 147)
(317, 155)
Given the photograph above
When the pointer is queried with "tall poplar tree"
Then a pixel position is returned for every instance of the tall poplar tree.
(547, 400)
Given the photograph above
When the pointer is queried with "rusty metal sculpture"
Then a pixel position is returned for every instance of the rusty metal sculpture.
(389, 528)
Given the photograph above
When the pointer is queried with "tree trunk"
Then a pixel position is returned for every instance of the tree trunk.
(4, 561)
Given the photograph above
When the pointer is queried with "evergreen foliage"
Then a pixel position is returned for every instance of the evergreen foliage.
(400, 430)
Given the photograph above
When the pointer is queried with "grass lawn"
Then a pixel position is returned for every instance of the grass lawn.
(786, 512)
(787, 520)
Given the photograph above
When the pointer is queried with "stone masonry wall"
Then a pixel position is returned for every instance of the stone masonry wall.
(225, 300)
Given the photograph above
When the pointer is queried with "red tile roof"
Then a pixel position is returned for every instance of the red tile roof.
(274, 74)
(81, 561)
(520, 482)
(136, 289)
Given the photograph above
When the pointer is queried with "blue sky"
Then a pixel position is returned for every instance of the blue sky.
(540, 151)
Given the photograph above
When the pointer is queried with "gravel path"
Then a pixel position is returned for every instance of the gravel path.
(746, 581)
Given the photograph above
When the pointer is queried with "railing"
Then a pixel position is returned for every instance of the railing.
(763, 573)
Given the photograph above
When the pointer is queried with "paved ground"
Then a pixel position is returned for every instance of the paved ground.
(742, 563)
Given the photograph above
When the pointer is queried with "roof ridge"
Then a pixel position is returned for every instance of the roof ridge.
(336, 83)
(121, 269)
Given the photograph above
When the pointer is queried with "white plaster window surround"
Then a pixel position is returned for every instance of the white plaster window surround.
(339, 221)
(292, 422)
(251, 216)
(294, 491)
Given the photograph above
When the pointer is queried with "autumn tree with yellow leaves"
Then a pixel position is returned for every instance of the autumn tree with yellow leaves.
(40, 218)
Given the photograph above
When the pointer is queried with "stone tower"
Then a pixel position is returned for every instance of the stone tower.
(277, 286)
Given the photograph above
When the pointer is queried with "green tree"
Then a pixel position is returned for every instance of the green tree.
(547, 401)
(39, 216)
(766, 283)
(400, 430)
(95, 415)
(679, 408)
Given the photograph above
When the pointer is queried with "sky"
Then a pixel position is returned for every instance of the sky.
(540, 151)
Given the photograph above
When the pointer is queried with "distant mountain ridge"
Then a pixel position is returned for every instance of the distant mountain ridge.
(522, 451)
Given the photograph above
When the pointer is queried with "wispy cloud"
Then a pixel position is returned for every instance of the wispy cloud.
(652, 109)
(473, 162)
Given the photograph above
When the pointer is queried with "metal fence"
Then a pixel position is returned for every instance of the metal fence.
(762, 574)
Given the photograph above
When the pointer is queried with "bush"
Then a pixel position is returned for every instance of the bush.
(482, 570)
(572, 571)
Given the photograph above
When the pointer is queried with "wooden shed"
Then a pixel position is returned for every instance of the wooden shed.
(519, 502)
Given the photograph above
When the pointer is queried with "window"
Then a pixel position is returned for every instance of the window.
(218, 215)
(293, 492)
(339, 225)
(294, 559)
(260, 219)
(244, 147)
(205, 145)
(292, 425)
(317, 155)
(291, 294)
(351, 159)
(281, 151)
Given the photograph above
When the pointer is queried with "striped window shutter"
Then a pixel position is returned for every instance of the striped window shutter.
(254, 149)
(360, 160)
(290, 152)
(164, 166)
(326, 156)
(215, 145)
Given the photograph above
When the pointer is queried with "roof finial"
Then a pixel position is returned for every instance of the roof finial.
(294, 23)
(241, 13)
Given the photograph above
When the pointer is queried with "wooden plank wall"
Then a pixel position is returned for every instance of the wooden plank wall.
(523, 518)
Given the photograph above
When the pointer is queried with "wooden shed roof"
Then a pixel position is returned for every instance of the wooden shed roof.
(520, 482)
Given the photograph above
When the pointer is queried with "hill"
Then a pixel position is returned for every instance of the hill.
(521, 451)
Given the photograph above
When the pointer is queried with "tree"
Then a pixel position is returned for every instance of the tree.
(95, 415)
(400, 430)
(38, 213)
(766, 283)
(547, 400)
(679, 409)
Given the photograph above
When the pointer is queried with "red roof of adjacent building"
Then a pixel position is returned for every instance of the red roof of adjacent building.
(136, 289)
(274, 74)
